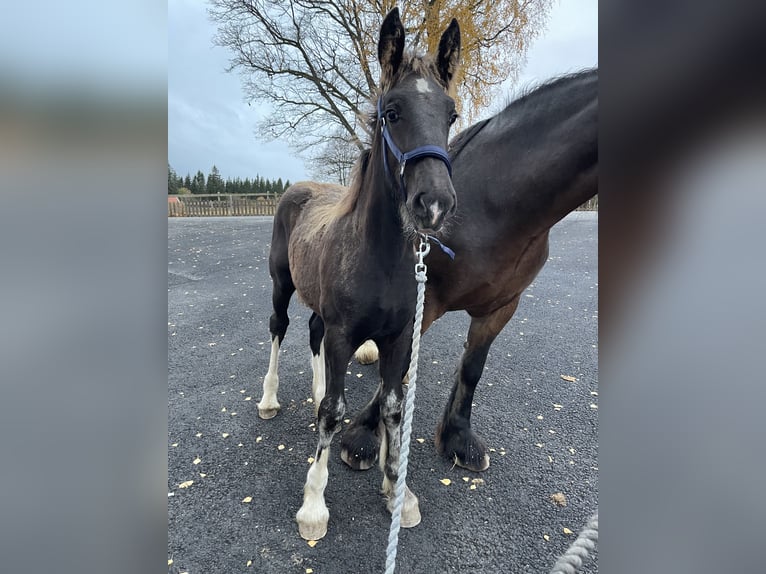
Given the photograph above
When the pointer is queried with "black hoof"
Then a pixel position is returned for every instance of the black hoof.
(359, 447)
(463, 447)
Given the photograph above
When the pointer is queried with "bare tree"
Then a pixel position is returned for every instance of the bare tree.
(315, 61)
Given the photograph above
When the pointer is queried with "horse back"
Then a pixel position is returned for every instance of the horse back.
(304, 213)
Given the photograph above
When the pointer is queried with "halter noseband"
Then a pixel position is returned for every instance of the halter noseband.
(403, 158)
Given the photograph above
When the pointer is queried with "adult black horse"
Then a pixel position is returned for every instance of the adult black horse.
(516, 174)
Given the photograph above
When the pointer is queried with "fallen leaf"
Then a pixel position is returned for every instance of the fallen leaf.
(248, 398)
(240, 444)
(569, 378)
(546, 537)
(567, 531)
(170, 561)
(420, 440)
(198, 435)
(310, 459)
(247, 499)
(445, 481)
(174, 444)
(223, 410)
(346, 421)
(478, 481)
(593, 406)
(186, 484)
(309, 400)
(197, 460)
(309, 571)
(559, 499)
(202, 474)
(258, 439)
(281, 447)
(539, 417)
(571, 450)
(557, 406)
(311, 543)
(551, 431)
(539, 444)
(550, 458)
(472, 487)
(466, 479)
(249, 563)
(225, 434)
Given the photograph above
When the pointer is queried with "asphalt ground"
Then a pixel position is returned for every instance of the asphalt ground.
(542, 428)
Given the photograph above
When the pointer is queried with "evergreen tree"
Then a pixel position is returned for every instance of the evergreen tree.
(280, 187)
(172, 181)
(187, 182)
(214, 181)
(198, 183)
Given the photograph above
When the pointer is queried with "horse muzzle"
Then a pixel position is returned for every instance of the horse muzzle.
(431, 209)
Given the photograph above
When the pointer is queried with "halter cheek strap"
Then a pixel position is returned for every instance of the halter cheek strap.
(403, 158)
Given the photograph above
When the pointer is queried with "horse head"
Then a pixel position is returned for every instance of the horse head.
(414, 113)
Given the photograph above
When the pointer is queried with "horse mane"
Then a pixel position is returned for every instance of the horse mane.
(531, 95)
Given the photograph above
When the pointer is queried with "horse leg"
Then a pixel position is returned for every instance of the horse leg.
(360, 442)
(392, 358)
(454, 437)
(313, 516)
(367, 354)
(316, 334)
(282, 290)
(361, 439)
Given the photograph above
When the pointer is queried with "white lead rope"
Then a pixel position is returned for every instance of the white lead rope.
(409, 407)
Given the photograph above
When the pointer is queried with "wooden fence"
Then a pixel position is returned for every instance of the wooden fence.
(252, 204)
(221, 205)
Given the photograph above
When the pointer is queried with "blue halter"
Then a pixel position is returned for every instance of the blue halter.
(403, 158)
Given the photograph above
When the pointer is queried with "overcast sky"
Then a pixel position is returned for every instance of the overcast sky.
(209, 123)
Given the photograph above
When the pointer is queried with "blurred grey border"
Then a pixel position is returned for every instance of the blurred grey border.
(83, 242)
(83, 371)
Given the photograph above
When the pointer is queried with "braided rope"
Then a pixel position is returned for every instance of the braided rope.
(571, 561)
(409, 407)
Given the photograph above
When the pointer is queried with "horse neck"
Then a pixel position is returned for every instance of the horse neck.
(377, 217)
(559, 172)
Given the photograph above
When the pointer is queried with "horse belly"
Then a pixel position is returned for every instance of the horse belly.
(304, 269)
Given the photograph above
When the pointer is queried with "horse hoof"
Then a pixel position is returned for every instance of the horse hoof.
(355, 461)
(312, 523)
(482, 465)
(464, 448)
(359, 447)
(367, 354)
(268, 411)
(410, 517)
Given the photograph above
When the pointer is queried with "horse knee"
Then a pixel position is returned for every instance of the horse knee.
(278, 326)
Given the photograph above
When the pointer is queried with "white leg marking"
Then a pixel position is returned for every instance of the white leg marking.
(269, 405)
(318, 382)
(313, 516)
(367, 353)
(411, 508)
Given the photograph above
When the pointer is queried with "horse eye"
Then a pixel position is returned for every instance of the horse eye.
(453, 118)
(392, 116)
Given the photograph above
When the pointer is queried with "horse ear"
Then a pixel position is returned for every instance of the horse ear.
(449, 53)
(390, 46)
